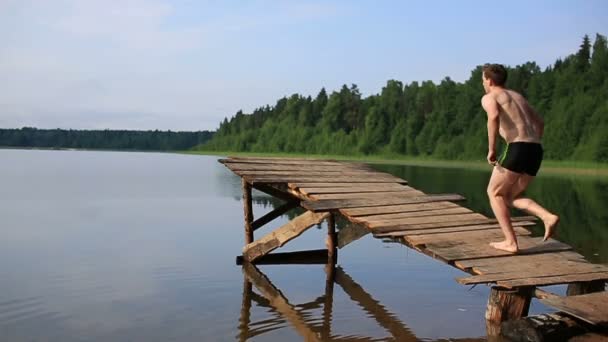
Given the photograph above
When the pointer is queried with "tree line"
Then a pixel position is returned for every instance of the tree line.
(103, 139)
(442, 120)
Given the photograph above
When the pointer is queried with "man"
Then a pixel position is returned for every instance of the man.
(522, 128)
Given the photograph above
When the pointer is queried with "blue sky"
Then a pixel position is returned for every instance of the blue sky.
(185, 65)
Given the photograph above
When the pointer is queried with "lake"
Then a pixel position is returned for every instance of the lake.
(121, 246)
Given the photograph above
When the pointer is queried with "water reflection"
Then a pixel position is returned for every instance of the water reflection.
(304, 317)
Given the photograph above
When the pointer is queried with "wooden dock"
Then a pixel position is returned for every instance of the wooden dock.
(432, 224)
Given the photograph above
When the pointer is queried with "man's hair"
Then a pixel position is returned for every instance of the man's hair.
(495, 72)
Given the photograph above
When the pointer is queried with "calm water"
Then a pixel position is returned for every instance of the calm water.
(107, 246)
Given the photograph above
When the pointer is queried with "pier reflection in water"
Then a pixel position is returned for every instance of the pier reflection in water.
(258, 289)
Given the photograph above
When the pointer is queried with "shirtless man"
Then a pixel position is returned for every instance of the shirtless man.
(522, 128)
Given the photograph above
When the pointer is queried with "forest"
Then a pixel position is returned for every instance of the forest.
(102, 139)
(443, 121)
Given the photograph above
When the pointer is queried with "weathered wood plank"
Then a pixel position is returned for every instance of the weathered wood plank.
(324, 205)
(336, 179)
(391, 209)
(355, 188)
(297, 185)
(485, 235)
(370, 195)
(434, 212)
(450, 229)
(552, 280)
(282, 235)
(473, 249)
(305, 173)
(284, 161)
(423, 220)
(591, 308)
(531, 271)
(287, 167)
(394, 228)
(515, 260)
(284, 208)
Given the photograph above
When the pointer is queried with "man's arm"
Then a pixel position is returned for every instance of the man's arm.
(490, 105)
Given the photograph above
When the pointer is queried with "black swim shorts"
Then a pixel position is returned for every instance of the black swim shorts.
(522, 157)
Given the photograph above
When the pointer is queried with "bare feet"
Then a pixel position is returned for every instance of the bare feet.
(510, 247)
(550, 225)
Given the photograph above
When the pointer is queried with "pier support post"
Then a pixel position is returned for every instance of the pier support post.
(585, 287)
(332, 239)
(247, 206)
(506, 304)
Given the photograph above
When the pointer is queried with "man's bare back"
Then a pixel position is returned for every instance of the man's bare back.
(518, 121)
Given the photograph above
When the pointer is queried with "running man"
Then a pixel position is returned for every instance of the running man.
(522, 128)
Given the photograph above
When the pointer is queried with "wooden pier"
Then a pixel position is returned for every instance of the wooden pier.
(432, 224)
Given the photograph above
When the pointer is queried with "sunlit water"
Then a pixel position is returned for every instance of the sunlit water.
(110, 246)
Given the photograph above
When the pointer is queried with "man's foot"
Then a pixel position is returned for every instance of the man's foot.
(550, 225)
(505, 246)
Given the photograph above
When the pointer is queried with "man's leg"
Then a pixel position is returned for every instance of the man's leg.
(530, 206)
(499, 193)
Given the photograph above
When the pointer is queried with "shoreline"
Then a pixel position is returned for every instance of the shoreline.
(549, 167)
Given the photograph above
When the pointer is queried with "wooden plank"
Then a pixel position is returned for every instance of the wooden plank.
(549, 262)
(305, 173)
(390, 209)
(287, 167)
(533, 270)
(434, 212)
(591, 308)
(480, 248)
(282, 235)
(297, 185)
(403, 193)
(486, 235)
(394, 228)
(284, 208)
(311, 257)
(283, 161)
(327, 179)
(453, 219)
(324, 205)
(516, 260)
(450, 229)
(552, 280)
(354, 188)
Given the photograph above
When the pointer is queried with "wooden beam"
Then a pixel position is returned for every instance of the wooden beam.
(275, 192)
(312, 257)
(331, 241)
(274, 214)
(248, 211)
(506, 304)
(282, 235)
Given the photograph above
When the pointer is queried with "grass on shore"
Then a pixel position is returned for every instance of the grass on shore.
(549, 167)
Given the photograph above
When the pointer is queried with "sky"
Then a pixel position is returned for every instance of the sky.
(185, 65)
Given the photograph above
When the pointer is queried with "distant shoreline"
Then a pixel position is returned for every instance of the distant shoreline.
(549, 167)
